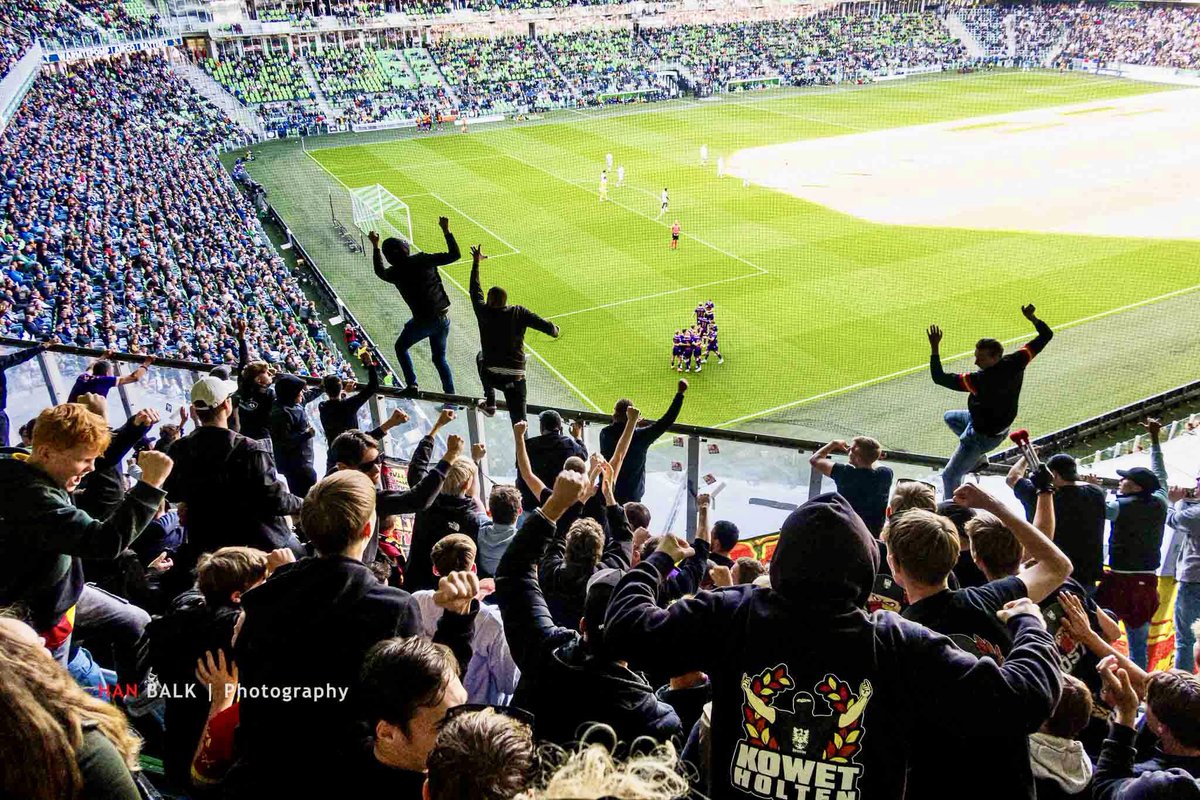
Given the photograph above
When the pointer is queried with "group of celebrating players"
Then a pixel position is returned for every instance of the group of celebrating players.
(693, 346)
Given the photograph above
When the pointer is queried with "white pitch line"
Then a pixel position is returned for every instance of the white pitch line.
(656, 294)
(918, 368)
(486, 229)
(327, 171)
(642, 214)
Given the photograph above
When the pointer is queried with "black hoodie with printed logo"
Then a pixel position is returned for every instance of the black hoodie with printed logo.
(811, 693)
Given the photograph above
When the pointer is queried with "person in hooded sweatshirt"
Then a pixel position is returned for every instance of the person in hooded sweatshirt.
(1061, 767)
(457, 509)
(568, 677)
(292, 433)
(310, 625)
(811, 695)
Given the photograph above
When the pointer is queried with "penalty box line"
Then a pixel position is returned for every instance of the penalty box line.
(656, 294)
(911, 370)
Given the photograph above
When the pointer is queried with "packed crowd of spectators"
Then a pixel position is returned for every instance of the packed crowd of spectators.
(1040, 28)
(130, 17)
(1151, 36)
(986, 24)
(13, 45)
(603, 63)
(105, 245)
(53, 19)
(505, 75)
(820, 49)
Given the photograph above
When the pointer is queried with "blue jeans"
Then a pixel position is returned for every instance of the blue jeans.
(110, 625)
(1139, 644)
(437, 331)
(971, 447)
(1187, 611)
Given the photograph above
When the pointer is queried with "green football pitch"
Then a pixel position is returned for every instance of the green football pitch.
(821, 315)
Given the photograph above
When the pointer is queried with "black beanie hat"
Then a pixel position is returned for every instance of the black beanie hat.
(825, 554)
(288, 389)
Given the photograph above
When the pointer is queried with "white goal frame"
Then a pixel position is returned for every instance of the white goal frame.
(374, 208)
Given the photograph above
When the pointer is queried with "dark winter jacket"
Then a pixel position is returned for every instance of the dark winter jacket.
(546, 456)
(291, 432)
(502, 331)
(446, 515)
(563, 684)
(309, 625)
(419, 281)
(565, 585)
(43, 536)
(631, 483)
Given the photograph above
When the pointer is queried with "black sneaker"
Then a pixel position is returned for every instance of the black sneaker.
(488, 410)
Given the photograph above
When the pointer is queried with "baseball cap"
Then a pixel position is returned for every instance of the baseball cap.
(1064, 466)
(1143, 477)
(210, 391)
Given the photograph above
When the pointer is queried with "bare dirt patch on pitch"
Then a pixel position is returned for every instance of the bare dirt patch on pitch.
(1123, 167)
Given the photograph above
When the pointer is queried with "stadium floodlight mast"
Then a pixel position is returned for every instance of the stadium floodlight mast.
(374, 208)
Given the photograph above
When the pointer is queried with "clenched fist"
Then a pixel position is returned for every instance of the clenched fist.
(155, 467)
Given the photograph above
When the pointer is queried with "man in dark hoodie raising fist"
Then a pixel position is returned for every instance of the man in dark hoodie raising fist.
(308, 628)
(811, 695)
(292, 433)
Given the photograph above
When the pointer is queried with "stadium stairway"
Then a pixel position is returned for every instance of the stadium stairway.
(450, 91)
(1010, 25)
(212, 91)
(314, 86)
(558, 70)
(956, 27)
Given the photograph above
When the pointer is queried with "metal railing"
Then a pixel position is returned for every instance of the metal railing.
(756, 478)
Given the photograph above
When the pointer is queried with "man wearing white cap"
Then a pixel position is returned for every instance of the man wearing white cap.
(226, 483)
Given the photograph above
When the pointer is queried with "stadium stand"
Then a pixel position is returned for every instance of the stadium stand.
(153, 264)
(603, 66)
(52, 19)
(1155, 37)
(130, 17)
(503, 75)
(13, 45)
(986, 24)
(259, 77)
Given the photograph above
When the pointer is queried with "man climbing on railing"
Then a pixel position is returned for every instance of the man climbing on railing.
(995, 390)
(420, 284)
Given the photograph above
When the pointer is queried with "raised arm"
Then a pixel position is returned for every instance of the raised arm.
(632, 415)
(536, 487)
(360, 398)
(1158, 464)
(660, 426)
(452, 253)
(958, 383)
(1016, 472)
(381, 272)
(10, 360)
(821, 461)
(419, 464)
(1044, 334)
(476, 292)
(137, 374)
(1051, 565)
(533, 320)
(528, 624)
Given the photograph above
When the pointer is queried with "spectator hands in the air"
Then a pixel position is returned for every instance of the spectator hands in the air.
(632, 414)
(444, 223)
(241, 328)
(146, 418)
(935, 337)
(1117, 691)
(277, 558)
(454, 447)
(675, 547)
(221, 679)
(155, 467)
(373, 236)
(519, 429)
(477, 253)
(456, 591)
(1075, 620)
(445, 418)
(94, 403)
(1030, 312)
(1152, 426)
(704, 500)
(577, 429)
(161, 563)
(1042, 480)
(683, 385)
(1023, 606)
(478, 452)
(721, 575)
(569, 486)
(970, 495)
(1177, 493)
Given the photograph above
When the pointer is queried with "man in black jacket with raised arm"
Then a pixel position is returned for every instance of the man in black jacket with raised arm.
(631, 482)
(995, 390)
(416, 276)
(502, 328)
(339, 411)
(568, 679)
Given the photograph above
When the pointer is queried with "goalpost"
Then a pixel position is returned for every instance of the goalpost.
(374, 208)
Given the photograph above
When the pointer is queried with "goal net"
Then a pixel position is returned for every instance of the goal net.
(374, 208)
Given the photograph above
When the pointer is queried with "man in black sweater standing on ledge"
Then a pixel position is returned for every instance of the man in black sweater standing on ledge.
(502, 327)
(420, 284)
(995, 390)
(631, 482)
